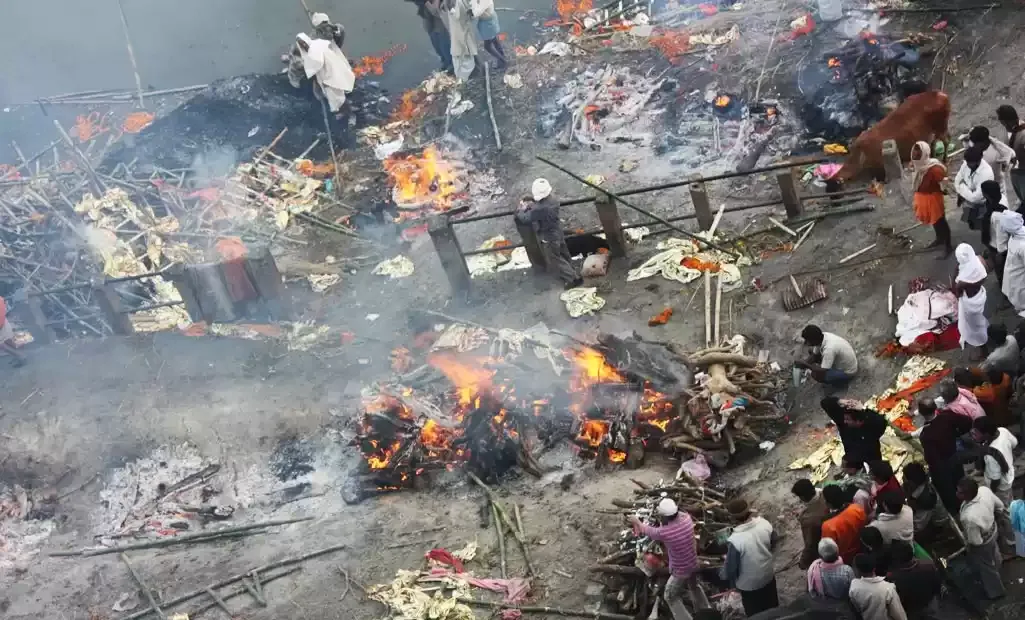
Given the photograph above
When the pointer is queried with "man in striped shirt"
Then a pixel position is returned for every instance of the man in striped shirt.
(677, 534)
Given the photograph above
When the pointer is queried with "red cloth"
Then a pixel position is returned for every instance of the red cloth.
(444, 557)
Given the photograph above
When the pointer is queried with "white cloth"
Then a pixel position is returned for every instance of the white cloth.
(968, 183)
(332, 70)
(1004, 444)
(971, 319)
(970, 268)
(319, 18)
(463, 38)
(540, 189)
(978, 516)
(1014, 268)
(838, 353)
(997, 235)
(483, 9)
(998, 155)
(922, 312)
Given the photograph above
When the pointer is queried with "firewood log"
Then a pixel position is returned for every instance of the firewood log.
(724, 358)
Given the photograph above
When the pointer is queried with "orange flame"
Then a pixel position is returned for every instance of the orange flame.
(382, 456)
(408, 108)
(593, 431)
(469, 380)
(426, 178)
(435, 436)
(592, 368)
(568, 8)
(722, 101)
(834, 62)
(375, 64)
(617, 456)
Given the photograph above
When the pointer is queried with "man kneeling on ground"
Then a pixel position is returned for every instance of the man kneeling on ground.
(832, 360)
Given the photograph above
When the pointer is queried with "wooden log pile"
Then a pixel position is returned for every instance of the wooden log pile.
(635, 569)
(68, 222)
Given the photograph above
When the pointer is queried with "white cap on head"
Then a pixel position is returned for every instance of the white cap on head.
(319, 18)
(541, 189)
(667, 508)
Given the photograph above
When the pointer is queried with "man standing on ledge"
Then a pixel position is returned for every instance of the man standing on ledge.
(542, 213)
(832, 360)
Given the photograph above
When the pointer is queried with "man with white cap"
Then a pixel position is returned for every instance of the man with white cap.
(1013, 286)
(542, 212)
(677, 534)
(323, 28)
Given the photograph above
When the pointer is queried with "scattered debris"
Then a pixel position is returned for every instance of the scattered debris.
(582, 300)
(397, 267)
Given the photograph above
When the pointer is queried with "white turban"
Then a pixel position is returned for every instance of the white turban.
(1012, 222)
(667, 508)
(969, 268)
(541, 189)
(319, 18)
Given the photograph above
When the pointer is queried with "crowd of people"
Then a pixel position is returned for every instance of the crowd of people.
(456, 28)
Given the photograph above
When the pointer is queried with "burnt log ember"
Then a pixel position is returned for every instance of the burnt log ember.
(657, 363)
(232, 118)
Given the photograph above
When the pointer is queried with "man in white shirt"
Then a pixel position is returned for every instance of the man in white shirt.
(832, 360)
(998, 155)
(968, 185)
(895, 520)
(872, 596)
(997, 456)
(979, 521)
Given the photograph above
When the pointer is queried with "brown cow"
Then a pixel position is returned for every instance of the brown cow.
(921, 117)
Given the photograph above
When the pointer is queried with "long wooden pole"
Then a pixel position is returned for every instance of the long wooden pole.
(131, 53)
(657, 218)
(145, 588)
(331, 145)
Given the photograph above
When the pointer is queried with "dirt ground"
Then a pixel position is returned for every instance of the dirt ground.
(84, 408)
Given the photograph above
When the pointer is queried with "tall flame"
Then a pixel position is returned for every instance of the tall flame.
(421, 179)
(470, 380)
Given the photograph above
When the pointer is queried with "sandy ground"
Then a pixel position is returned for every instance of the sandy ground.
(84, 408)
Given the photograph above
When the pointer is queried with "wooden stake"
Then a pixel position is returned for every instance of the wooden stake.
(98, 186)
(491, 109)
(797, 289)
(708, 309)
(778, 224)
(131, 53)
(145, 589)
(718, 306)
(807, 231)
(856, 254)
(889, 300)
(715, 222)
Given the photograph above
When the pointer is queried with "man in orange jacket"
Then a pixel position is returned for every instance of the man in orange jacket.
(845, 522)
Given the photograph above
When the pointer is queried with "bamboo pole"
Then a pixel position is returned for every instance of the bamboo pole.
(856, 254)
(807, 231)
(331, 145)
(657, 218)
(231, 580)
(558, 611)
(708, 309)
(131, 53)
(491, 109)
(154, 606)
(505, 518)
(718, 306)
(187, 538)
(501, 538)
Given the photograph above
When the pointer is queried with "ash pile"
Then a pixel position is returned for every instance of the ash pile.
(493, 400)
(234, 117)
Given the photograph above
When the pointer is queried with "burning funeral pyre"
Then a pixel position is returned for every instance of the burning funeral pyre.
(497, 406)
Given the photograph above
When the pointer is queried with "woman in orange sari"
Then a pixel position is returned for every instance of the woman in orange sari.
(928, 201)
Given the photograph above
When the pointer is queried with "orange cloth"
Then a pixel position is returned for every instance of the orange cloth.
(995, 398)
(3, 312)
(845, 528)
(925, 382)
(928, 200)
